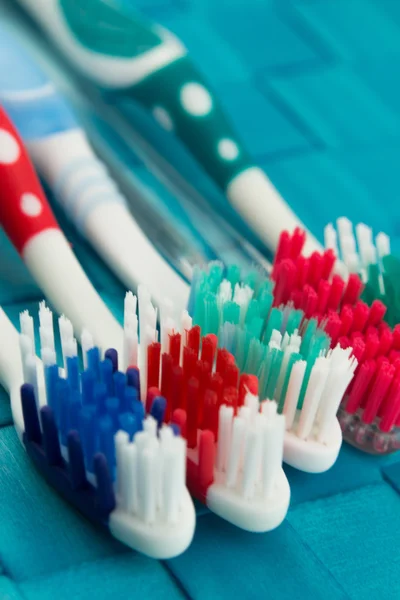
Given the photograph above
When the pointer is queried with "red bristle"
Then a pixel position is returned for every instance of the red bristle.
(166, 381)
(361, 313)
(353, 290)
(179, 418)
(296, 297)
(394, 355)
(206, 460)
(385, 342)
(329, 263)
(208, 348)
(203, 371)
(189, 363)
(211, 410)
(346, 316)
(282, 251)
(152, 393)
(297, 242)
(309, 301)
(216, 384)
(302, 265)
(379, 388)
(371, 345)
(285, 281)
(194, 339)
(192, 411)
(175, 347)
(315, 269)
(392, 408)
(358, 349)
(223, 359)
(360, 385)
(335, 297)
(324, 289)
(231, 377)
(176, 388)
(247, 383)
(344, 342)
(396, 337)
(376, 313)
(231, 397)
(332, 327)
(153, 365)
(386, 401)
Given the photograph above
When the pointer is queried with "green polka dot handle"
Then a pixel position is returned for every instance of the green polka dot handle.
(119, 50)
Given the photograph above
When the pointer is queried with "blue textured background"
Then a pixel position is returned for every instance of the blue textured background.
(313, 87)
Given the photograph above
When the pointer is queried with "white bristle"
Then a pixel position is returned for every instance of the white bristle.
(242, 296)
(382, 242)
(130, 305)
(27, 327)
(330, 239)
(129, 478)
(148, 337)
(25, 344)
(273, 437)
(87, 344)
(237, 443)
(167, 324)
(276, 339)
(48, 357)
(252, 460)
(316, 384)
(224, 436)
(224, 293)
(131, 346)
(150, 426)
(171, 482)
(293, 392)
(148, 482)
(251, 401)
(282, 373)
(32, 376)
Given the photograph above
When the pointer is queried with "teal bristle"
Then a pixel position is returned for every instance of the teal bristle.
(231, 313)
(274, 322)
(280, 398)
(233, 275)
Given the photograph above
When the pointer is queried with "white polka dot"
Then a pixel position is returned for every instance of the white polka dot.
(228, 149)
(9, 148)
(31, 205)
(163, 118)
(196, 100)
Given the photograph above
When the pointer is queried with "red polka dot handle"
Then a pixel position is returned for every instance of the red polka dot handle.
(24, 210)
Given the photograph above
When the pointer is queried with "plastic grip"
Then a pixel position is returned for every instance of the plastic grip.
(24, 210)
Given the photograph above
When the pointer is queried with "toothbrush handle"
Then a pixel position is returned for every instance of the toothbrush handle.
(24, 210)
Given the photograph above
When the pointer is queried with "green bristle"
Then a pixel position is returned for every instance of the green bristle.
(211, 314)
(373, 282)
(294, 357)
(294, 321)
(308, 335)
(255, 328)
(265, 301)
(274, 322)
(253, 311)
(263, 374)
(276, 363)
(215, 275)
(231, 313)
(254, 357)
(241, 349)
(265, 287)
(310, 364)
(233, 275)
(252, 279)
(199, 308)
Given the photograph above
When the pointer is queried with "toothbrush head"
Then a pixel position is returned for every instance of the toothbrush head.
(87, 433)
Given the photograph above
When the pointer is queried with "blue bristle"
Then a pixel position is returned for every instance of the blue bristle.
(52, 377)
(112, 355)
(88, 379)
(51, 443)
(29, 411)
(106, 439)
(105, 491)
(76, 463)
(73, 372)
(113, 410)
(129, 423)
(100, 397)
(88, 434)
(138, 411)
(158, 409)
(120, 384)
(93, 358)
(106, 370)
(133, 379)
(64, 395)
(130, 396)
(74, 410)
(176, 429)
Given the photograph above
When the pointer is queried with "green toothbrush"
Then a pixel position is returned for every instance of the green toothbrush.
(118, 50)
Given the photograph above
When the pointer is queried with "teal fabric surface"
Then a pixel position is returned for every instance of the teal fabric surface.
(313, 87)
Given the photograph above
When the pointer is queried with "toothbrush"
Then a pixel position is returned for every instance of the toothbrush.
(82, 186)
(73, 443)
(369, 414)
(119, 51)
(287, 351)
(28, 221)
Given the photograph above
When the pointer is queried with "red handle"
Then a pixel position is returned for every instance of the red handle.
(24, 210)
